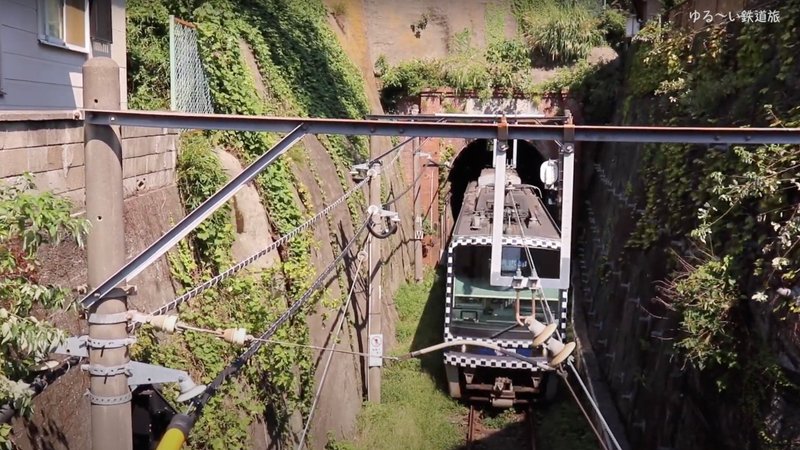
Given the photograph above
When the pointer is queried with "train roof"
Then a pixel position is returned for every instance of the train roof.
(475, 217)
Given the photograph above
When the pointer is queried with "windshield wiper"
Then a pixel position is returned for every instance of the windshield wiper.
(504, 330)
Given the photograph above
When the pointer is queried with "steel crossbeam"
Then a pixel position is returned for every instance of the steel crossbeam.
(297, 127)
(582, 133)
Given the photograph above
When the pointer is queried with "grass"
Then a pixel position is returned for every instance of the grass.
(500, 419)
(562, 426)
(415, 412)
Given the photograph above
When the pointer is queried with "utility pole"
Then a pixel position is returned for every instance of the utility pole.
(375, 323)
(109, 393)
(417, 218)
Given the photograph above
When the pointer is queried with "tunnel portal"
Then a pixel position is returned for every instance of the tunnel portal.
(477, 155)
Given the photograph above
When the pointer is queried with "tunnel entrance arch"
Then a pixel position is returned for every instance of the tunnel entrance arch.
(476, 156)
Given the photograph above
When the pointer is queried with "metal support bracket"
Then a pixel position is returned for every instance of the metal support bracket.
(80, 345)
(108, 319)
(107, 401)
(74, 346)
(141, 373)
(106, 371)
(502, 129)
(103, 344)
(359, 171)
(383, 213)
(120, 292)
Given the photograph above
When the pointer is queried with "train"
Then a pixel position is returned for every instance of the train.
(479, 310)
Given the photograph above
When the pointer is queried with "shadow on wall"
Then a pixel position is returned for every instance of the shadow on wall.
(430, 331)
(476, 156)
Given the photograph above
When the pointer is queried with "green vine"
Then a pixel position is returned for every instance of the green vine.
(734, 208)
(290, 42)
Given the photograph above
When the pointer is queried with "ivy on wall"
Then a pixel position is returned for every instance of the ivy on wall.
(735, 207)
(304, 72)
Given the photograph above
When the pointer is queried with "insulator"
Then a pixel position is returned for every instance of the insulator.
(543, 334)
(236, 336)
(164, 323)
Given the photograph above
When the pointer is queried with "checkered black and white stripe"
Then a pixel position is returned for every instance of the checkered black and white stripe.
(473, 361)
(508, 241)
(448, 337)
(564, 310)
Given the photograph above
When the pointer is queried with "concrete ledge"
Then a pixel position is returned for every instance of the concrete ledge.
(26, 116)
(134, 132)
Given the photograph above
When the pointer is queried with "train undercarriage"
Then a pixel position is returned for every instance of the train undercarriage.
(500, 387)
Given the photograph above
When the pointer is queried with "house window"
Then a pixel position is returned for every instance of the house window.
(100, 20)
(65, 23)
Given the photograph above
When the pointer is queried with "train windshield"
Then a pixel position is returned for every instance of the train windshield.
(479, 305)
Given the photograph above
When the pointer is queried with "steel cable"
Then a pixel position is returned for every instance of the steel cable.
(551, 318)
(583, 410)
(405, 191)
(255, 256)
(238, 363)
(398, 147)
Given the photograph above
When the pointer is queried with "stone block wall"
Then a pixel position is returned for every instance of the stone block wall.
(50, 146)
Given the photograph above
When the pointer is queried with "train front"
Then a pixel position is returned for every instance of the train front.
(477, 311)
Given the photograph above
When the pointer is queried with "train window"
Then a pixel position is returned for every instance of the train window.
(547, 262)
(514, 258)
(471, 263)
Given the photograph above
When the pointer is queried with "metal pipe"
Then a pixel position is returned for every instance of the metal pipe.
(467, 117)
(417, 219)
(173, 68)
(496, 277)
(688, 135)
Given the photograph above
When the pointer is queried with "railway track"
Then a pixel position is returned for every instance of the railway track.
(479, 438)
(471, 426)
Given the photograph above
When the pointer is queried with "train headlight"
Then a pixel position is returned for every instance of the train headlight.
(548, 173)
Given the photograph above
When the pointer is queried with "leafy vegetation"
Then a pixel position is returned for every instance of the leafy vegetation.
(414, 412)
(733, 208)
(504, 66)
(560, 31)
(28, 220)
(290, 42)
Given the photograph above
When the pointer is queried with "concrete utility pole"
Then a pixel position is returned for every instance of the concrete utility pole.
(375, 301)
(417, 218)
(109, 393)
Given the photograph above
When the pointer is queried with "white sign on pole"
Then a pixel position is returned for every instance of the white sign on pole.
(375, 350)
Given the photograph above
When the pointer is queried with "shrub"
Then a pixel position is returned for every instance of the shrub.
(613, 22)
(562, 32)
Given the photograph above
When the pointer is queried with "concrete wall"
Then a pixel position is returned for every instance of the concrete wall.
(35, 75)
(50, 146)
(390, 34)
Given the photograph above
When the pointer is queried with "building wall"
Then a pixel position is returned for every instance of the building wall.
(39, 76)
(50, 146)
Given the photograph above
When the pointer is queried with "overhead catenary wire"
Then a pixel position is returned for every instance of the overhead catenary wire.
(44, 380)
(332, 349)
(232, 369)
(398, 147)
(595, 406)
